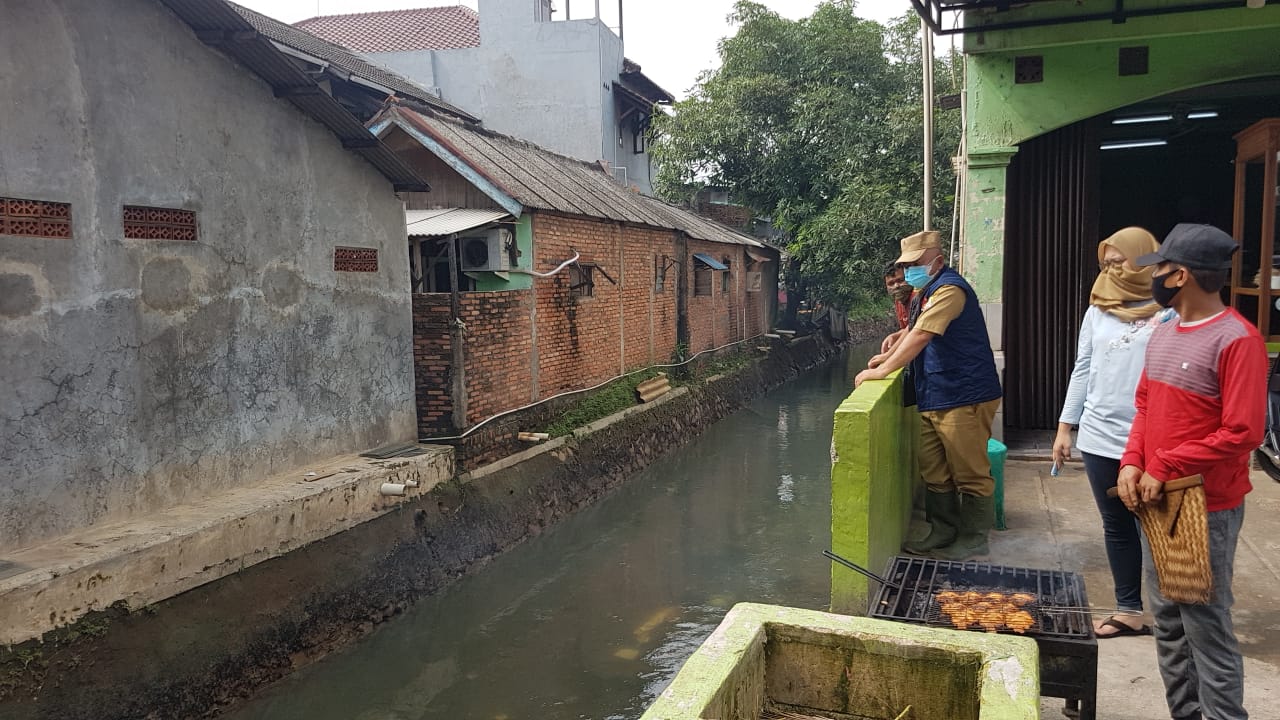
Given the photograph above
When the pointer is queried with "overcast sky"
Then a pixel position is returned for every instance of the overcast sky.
(673, 40)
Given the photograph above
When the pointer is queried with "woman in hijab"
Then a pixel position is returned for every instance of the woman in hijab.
(1109, 361)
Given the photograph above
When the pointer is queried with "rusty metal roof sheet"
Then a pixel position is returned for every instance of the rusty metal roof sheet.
(540, 179)
(447, 221)
(431, 28)
(218, 23)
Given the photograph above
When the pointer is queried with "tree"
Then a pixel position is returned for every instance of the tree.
(816, 123)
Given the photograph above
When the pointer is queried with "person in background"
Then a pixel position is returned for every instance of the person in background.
(1109, 359)
(957, 392)
(896, 285)
(1201, 410)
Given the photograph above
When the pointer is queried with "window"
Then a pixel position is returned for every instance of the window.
(150, 223)
(703, 266)
(581, 280)
(35, 218)
(349, 259)
(726, 279)
(701, 280)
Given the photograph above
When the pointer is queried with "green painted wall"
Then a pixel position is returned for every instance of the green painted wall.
(735, 671)
(873, 477)
(513, 281)
(1081, 81)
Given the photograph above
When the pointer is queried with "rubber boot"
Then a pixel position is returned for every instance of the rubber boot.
(943, 510)
(976, 517)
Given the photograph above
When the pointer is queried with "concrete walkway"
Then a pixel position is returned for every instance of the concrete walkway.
(153, 558)
(1053, 523)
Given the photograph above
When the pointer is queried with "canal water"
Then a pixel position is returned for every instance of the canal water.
(593, 618)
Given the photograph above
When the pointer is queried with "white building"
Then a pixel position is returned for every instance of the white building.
(561, 84)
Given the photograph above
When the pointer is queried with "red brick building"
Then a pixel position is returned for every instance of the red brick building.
(584, 279)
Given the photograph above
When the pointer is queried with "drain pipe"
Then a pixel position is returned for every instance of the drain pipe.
(927, 68)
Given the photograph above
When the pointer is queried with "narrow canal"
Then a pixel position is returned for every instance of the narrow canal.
(594, 618)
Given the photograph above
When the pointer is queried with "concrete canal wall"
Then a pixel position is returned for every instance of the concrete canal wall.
(874, 475)
(189, 655)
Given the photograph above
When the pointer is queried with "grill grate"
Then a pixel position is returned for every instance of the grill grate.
(921, 579)
(1063, 630)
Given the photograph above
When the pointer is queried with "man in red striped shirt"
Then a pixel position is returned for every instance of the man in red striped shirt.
(1201, 410)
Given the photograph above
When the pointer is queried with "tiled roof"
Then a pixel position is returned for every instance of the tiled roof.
(432, 28)
(537, 178)
(342, 58)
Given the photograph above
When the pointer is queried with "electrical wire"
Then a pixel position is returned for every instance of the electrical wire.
(575, 392)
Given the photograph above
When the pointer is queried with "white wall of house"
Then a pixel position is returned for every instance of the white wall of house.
(140, 374)
(546, 82)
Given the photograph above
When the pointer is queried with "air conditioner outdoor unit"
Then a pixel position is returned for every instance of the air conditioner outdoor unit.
(490, 252)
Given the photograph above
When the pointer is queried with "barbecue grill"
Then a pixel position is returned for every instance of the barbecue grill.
(1061, 623)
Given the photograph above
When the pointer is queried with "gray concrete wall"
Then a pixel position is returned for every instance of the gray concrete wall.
(135, 375)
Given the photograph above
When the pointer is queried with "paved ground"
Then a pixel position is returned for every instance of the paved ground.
(1053, 523)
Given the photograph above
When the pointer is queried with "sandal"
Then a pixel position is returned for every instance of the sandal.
(1121, 629)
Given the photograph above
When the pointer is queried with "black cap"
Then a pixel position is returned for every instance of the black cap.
(1201, 247)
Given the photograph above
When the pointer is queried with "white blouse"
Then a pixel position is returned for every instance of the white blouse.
(1109, 361)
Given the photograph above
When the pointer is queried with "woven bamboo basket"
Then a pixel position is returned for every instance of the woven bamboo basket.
(1177, 526)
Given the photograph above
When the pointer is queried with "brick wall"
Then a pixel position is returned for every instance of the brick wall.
(736, 216)
(724, 317)
(499, 342)
(497, 369)
(622, 326)
(432, 353)
(512, 359)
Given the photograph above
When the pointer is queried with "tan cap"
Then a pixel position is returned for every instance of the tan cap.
(913, 246)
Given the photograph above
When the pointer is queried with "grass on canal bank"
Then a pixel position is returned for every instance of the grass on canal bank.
(621, 394)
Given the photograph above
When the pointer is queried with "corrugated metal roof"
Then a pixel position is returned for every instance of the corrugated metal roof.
(343, 59)
(432, 28)
(709, 261)
(447, 221)
(540, 179)
(220, 24)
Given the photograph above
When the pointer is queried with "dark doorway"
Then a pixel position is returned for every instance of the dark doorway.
(1166, 160)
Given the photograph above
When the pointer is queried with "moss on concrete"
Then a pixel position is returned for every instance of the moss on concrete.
(851, 667)
(873, 478)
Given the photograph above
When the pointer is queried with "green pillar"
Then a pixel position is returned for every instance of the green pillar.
(982, 232)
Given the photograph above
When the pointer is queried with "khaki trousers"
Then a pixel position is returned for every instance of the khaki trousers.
(953, 449)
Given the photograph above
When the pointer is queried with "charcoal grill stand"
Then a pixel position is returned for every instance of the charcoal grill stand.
(1068, 647)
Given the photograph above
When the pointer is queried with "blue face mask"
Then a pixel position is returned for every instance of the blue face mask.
(917, 276)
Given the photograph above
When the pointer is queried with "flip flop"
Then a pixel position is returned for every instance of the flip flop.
(1121, 629)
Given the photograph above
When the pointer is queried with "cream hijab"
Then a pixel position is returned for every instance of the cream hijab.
(1119, 289)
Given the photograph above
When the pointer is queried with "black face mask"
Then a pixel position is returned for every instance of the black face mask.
(1163, 295)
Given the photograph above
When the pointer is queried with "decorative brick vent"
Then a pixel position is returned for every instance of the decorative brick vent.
(35, 218)
(148, 223)
(349, 259)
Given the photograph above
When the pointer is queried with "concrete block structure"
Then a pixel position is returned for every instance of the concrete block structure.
(770, 661)
(874, 476)
(525, 69)
(214, 289)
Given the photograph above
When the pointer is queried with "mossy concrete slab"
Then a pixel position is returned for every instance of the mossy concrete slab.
(851, 667)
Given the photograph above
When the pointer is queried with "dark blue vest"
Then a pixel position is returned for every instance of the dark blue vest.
(956, 368)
